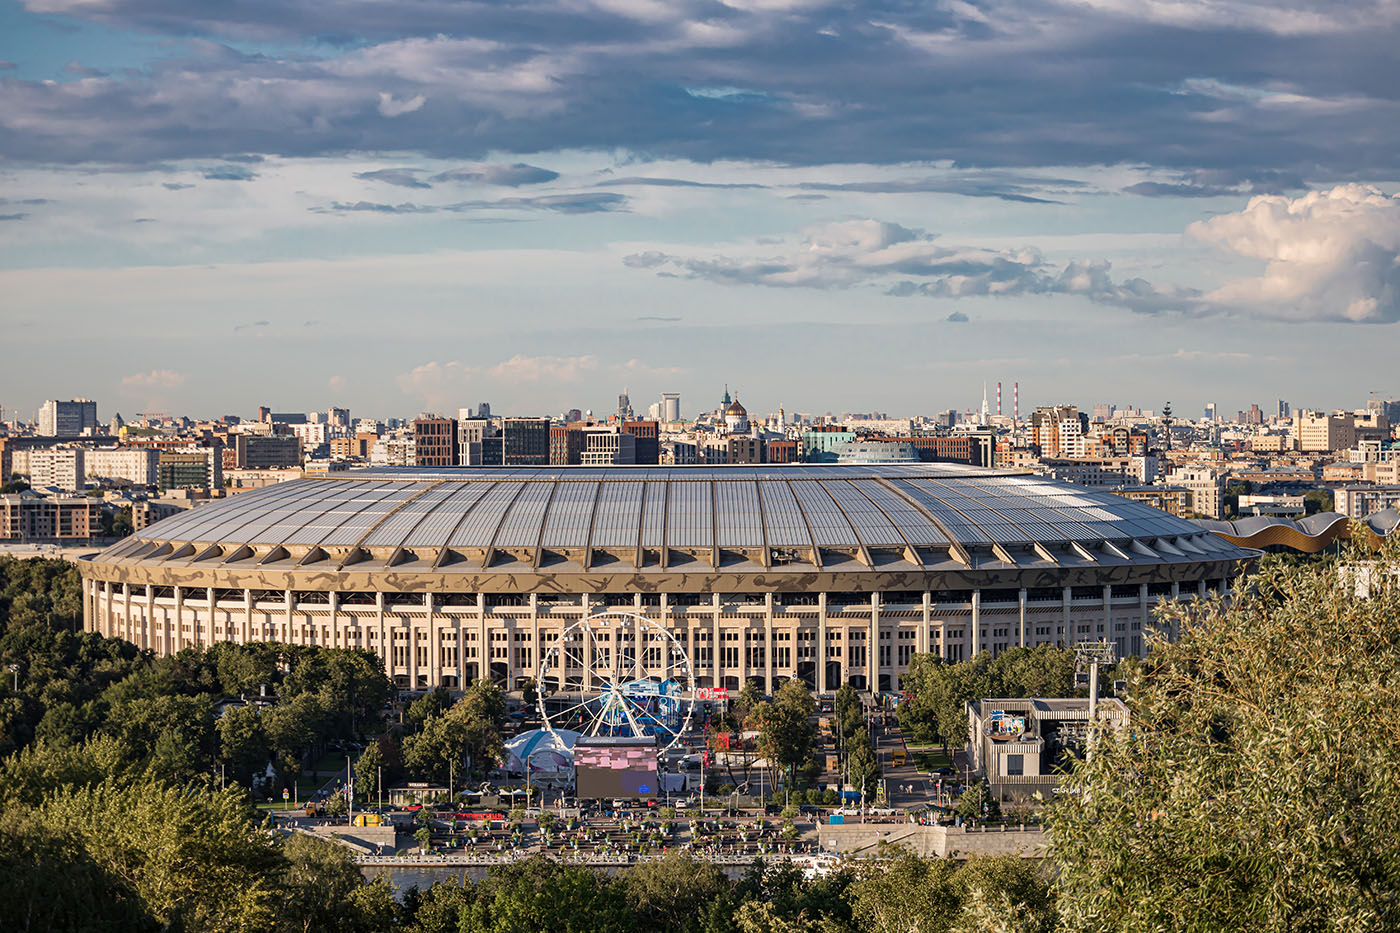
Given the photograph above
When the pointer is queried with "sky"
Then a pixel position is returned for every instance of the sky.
(829, 206)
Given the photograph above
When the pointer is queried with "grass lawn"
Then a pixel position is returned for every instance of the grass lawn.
(928, 761)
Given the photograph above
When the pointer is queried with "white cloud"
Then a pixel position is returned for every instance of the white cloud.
(155, 379)
(440, 385)
(389, 107)
(523, 369)
(1329, 255)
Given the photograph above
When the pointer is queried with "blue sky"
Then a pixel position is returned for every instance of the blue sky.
(831, 206)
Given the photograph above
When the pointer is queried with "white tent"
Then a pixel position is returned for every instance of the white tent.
(545, 751)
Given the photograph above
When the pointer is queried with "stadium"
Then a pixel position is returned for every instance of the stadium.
(828, 574)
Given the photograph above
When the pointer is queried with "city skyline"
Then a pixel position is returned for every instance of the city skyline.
(394, 212)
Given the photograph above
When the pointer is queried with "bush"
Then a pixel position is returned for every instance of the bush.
(830, 797)
(814, 796)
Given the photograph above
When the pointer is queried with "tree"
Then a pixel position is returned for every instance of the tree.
(1317, 500)
(902, 893)
(1253, 789)
(540, 896)
(318, 881)
(191, 857)
(469, 734)
(785, 731)
(939, 690)
(382, 757)
(433, 703)
(672, 893)
(978, 803)
(861, 764)
(243, 746)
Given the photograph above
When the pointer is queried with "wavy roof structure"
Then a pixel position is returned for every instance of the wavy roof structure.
(1309, 535)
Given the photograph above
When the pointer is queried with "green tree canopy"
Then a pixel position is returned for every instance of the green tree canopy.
(940, 690)
(1258, 784)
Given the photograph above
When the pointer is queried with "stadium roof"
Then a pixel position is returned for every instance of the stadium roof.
(753, 510)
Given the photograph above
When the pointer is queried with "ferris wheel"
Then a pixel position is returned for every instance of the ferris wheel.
(617, 674)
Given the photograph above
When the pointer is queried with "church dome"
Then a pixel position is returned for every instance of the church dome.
(736, 409)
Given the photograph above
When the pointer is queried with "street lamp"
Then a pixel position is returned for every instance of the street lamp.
(14, 669)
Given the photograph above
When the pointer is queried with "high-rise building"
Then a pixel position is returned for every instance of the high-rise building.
(526, 442)
(338, 417)
(1058, 430)
(624, 407)
(266, 452)
(607, 446)
(648, 435)
(68, 419)
(1284, 410)
(470, 433)
(670, 406)
(484, 410)
(566, 443)
(57, 467)
(192, 468)
(1210, 412)
(434, 441)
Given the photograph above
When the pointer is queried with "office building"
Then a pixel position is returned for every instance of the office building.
(434, 441)
(58, 468)
(670, 407)
(526, 442)
(60, 519)
(266, 451)
(192, 468)
(68, 419)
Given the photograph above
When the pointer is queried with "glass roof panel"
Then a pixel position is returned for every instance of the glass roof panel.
(569, 515)
(479, 526)
(782, 517)
(435, 526)
(690, 516)
(618, 515)
(830, 528)
(740, 520)
(521, 526)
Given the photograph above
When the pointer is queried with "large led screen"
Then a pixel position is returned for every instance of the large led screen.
(615, 770)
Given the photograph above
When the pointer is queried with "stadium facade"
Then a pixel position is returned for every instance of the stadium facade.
(825, 573)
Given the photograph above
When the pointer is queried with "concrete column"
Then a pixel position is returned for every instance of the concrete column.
(1067, 625)
(386, 653)
(743, 654)
(1022, 596)
(170, 636)
(126, 608)
(213, 616)
(87, 605)
(247, 616)
(434, 643)
(288, 596)
(150, 617)
(412, 654)
(483, 664)
(768, 643)
(1108, 613)
(822, 685)
(586, 648)
(872, 658)
(719, 650)
(535, 651)
(976, 623)
(845, 640)
(113, 630)
(922, 642)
